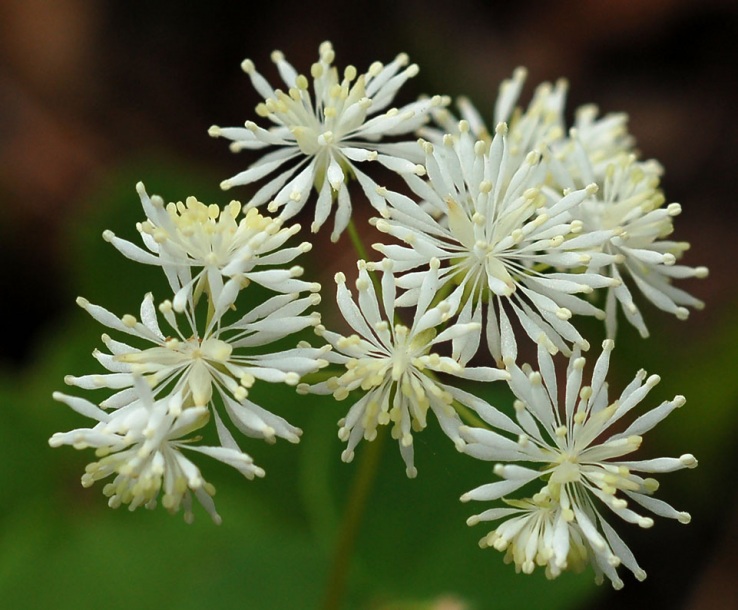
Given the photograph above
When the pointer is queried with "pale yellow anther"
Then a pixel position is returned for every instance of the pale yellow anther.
(375, 69)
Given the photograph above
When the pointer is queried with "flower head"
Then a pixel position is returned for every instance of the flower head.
(395, 364)
(630, 205)
(535, 532)
(323, 135)
(541, 124)
(194, 362)
(201, 247)
(531, 129)
(141, 445)
(578, 453)
(505, 241)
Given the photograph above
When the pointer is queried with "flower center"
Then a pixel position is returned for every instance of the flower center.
(403, 353)
(202, 231)
(567, 471)
(311, 140)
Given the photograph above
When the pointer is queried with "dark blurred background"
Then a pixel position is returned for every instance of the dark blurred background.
(97, 93)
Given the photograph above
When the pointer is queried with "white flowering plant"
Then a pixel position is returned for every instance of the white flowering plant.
(493, 243)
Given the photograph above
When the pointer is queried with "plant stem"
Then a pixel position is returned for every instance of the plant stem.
(356, 241)
(469, 416)
(362, 483)
(355, 506)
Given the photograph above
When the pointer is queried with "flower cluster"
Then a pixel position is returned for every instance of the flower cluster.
(624, 219)
(578, 455)
(167, 384)
(141, 445)
(396, 365)
(322, 137)
(497, 234)
(501, 233)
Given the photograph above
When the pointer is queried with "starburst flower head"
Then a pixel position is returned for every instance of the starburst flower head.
(602, 139)
(322, 136)
(506, 243)
(631, 204)
(201, 247)
(141, 445)
(535, 532)
(223, 358)
(541, 124)
(578, 456)
(395, 365)
(537, 127)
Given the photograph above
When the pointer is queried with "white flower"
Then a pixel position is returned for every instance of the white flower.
(196, 362)
(630, 203)
(535, 532)
(141, 446)
(506, 242)
(603, 140)
(181, 237)
(538, 126)
(395, 365)
(598, 150)
(577, 451)
(327, 133)
(542, 124)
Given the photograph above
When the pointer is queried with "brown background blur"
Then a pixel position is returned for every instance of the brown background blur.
(85, 85)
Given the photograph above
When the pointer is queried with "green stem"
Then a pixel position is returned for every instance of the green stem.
(354, 511)
(363, 254)
(211, 311)
(360, 487)
(356, 241)
(469, 416)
